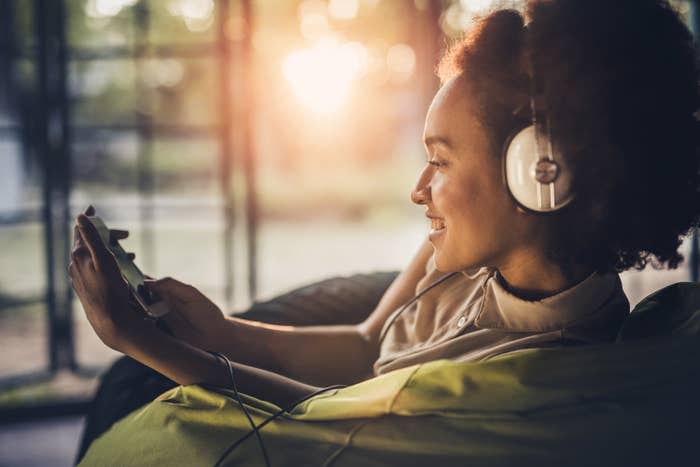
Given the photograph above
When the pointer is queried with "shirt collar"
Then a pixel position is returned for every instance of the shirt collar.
(503, 310)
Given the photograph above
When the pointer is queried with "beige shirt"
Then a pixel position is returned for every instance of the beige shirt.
(471, 316)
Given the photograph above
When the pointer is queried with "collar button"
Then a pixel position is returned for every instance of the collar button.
(462, 321)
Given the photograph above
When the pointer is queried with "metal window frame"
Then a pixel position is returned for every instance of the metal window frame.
(53, 138)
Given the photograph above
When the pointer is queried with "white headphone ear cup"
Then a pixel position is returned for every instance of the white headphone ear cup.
(520, 158)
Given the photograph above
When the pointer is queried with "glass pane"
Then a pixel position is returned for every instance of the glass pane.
(187, 167)
(21, 242)
(94, 24)
(17, 87)
(342, 215)
(181, 91)
(187, 225)
(191, 251)
(183, 21)
(106, 176)
(23, 327)
(23, 333)
(22, 275)
(170, 91)
(337, 152)
(324, 248)
(13, 179)
(103, 91)
(174, 231)
(105, 165)
(23, 330)
(23, 24)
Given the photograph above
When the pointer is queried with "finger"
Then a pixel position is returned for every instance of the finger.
(156, 287)
(71, 271)
(162, 284)
(90, 211)
(79, 253)
(77, 239)
(80, 260)
(101, 256)
(79, 250)
(175, 321)
(115, 235)
(76, 279)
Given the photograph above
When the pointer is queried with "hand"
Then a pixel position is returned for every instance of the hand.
(192, 318)
(101, 289)
(114, 234)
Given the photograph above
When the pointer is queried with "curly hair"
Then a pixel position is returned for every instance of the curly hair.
(621, 87)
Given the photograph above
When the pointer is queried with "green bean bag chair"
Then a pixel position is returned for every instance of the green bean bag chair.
(632, 402)
(128, 385)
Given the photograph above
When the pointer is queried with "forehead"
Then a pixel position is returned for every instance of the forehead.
(451, 113)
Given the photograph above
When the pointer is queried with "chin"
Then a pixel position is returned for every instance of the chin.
(442, 265)
(446, 265)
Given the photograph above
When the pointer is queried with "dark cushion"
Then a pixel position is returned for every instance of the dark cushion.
(339, 300)
(673, 310)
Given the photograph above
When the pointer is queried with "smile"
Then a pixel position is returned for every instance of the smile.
(437, 224)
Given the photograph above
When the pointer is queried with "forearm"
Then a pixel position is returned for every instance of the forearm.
(319, 355)
(186, 364)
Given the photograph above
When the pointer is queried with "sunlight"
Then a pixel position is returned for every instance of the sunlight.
(476, 6)
(197, 14)
(106, 8)
(343, 9)
(321, 76)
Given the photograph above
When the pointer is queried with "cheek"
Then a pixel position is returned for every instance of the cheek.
(465, 197)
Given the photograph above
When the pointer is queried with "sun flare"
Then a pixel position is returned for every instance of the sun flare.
(322, 75)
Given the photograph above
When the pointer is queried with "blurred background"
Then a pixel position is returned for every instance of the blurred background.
(249, 147)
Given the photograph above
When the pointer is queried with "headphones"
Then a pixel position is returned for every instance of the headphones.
(535, 174)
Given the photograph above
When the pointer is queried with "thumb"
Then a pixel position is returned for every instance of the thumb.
(169, 287)
(162, 284)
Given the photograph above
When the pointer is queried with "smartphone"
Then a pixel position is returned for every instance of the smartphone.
(131, 273)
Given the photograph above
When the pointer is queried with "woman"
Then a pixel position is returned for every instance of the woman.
(616, 100)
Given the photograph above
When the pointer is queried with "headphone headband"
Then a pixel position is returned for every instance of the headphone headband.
(535, 175)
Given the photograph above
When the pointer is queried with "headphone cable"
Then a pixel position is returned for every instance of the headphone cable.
(255, 428)
(394, 316)
(229, 366)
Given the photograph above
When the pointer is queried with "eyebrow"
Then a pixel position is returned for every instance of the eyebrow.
(433, 140)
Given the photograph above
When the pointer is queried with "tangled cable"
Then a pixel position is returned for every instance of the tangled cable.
(255, 429)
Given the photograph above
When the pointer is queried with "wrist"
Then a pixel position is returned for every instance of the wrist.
(224, 332)
(138, 337)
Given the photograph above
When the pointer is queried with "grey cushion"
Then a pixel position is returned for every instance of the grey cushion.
(339, 300)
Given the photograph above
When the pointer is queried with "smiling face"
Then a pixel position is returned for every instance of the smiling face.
(474, 222)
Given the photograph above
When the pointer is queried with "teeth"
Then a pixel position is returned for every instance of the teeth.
(437, 224)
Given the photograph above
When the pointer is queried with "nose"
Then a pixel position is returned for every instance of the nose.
(421, 192)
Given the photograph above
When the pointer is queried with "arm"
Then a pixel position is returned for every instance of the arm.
(104, 295)
(186, 364)
(320, 355)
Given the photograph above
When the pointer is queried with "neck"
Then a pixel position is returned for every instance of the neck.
(532, 277)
